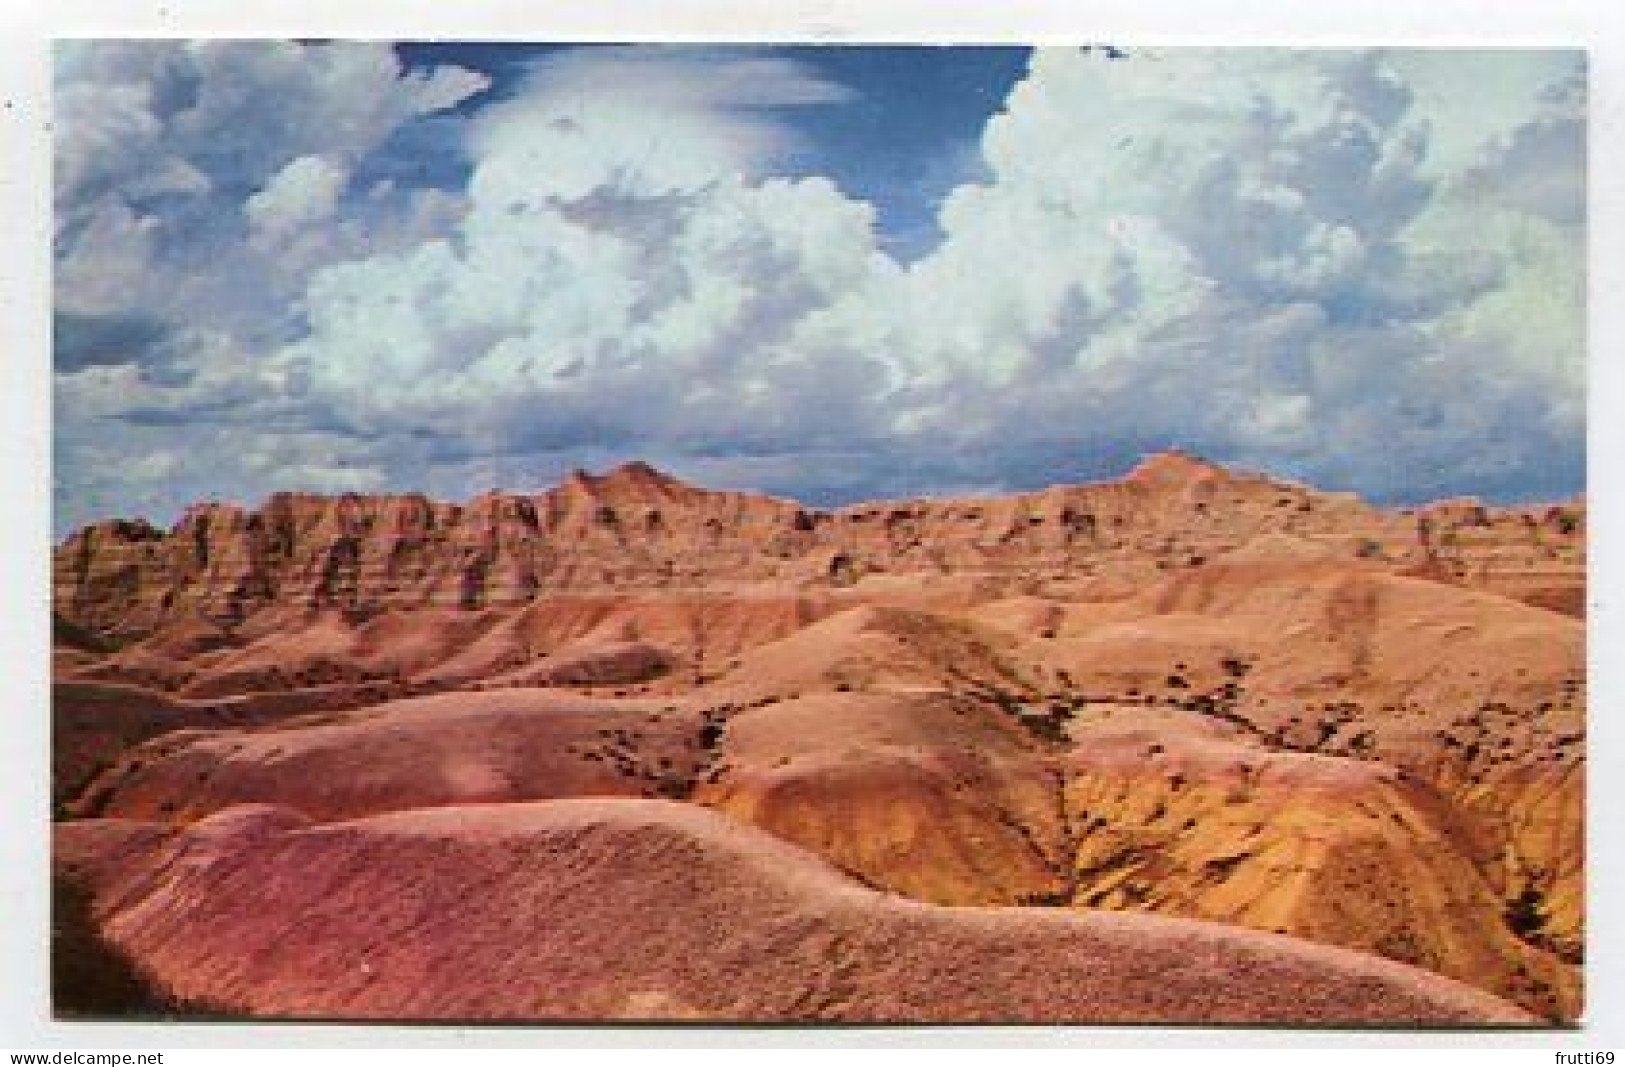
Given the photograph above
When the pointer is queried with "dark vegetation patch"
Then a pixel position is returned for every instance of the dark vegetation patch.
(91, 978)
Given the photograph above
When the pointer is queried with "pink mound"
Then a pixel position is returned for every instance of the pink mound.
(456, 748)
(599, 664)
(876, 647)
(594, 909)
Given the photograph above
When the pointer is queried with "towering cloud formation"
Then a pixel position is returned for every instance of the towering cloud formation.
(1315, 261)
(1248, 252)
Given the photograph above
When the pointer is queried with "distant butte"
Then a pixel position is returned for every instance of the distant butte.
(637, 527)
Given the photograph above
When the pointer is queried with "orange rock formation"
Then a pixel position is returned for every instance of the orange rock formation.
(1192, 692)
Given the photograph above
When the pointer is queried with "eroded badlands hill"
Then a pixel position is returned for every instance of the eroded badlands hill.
(636, 528)
(654, 910)
(1192, 692)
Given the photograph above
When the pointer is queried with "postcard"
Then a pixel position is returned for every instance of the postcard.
(565, 532)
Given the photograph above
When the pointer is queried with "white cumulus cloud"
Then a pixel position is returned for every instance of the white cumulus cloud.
(303, 194)
(1326, 263)
(193, 142)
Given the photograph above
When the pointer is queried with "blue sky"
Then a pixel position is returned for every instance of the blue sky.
(831, 272)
